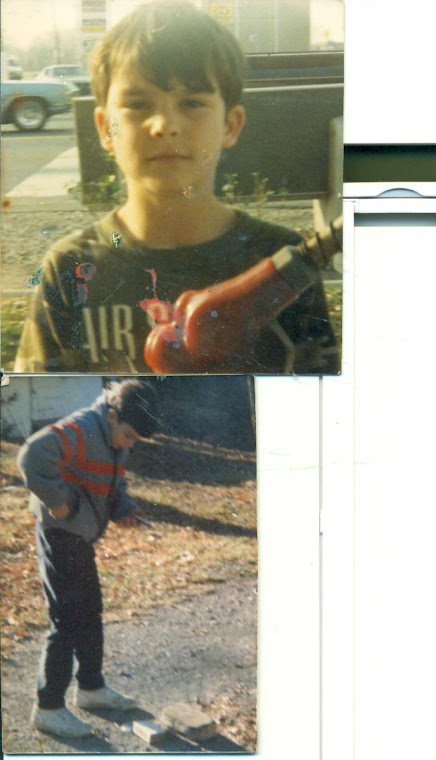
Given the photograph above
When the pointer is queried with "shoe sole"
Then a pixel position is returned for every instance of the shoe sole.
(90, 708)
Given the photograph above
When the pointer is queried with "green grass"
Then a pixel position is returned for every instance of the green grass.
(14, 311)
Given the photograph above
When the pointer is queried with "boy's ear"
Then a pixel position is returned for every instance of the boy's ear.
(112, 415)
(103, 129)
(234, 124)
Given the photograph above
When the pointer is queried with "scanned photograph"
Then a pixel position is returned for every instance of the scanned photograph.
(128, 565)
(171, 186)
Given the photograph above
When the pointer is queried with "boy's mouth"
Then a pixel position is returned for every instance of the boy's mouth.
(169, 156)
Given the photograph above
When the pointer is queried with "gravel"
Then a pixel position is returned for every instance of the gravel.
(201, 651)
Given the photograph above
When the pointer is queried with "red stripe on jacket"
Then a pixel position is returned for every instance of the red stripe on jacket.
(83, 463)
(68, 451)
(102, 489)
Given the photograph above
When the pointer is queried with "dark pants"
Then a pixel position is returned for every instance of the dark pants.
(72, 590)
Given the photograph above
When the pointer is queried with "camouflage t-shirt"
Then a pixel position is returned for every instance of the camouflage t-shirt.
(91, 311)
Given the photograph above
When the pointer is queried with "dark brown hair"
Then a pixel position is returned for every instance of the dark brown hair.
(171, 39)
(135, 403)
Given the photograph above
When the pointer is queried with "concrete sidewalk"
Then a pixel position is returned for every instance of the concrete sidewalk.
(52, 180)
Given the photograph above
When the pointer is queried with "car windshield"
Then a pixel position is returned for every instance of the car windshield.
(67, 71)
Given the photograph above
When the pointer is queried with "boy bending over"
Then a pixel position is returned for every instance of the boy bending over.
(75, 472)
(168, 82)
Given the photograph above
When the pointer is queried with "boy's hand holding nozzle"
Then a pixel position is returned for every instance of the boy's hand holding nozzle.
(209, 325)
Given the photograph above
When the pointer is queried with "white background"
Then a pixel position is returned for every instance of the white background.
(379, 665)
(389, 71)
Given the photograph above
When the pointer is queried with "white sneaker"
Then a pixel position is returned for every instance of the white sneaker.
(103, 698)
(60, 721)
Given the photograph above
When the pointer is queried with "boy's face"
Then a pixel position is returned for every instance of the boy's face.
(121, 434)
(166, 141)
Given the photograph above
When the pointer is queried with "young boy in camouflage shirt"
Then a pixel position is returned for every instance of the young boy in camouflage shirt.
(168, 83)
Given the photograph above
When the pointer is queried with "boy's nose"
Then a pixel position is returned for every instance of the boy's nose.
(161, 124)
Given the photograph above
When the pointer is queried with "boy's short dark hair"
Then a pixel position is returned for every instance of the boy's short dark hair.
(135, 402)
(171, 39)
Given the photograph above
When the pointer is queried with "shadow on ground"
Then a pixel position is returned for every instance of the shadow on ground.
(184, 460)
(164, 513)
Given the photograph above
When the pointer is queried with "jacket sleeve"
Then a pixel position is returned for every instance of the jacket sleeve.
(39, 461)
(123, 503)
(52, 336)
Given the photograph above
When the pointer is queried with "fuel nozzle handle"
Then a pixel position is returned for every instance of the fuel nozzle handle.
(322, 246)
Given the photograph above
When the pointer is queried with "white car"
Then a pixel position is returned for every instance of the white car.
(67, 72)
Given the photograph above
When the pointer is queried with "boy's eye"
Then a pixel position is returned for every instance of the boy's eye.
(192, 103)
(139, 105)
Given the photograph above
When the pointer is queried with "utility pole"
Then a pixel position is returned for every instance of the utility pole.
(56, 34)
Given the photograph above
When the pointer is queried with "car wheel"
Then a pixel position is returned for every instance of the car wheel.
(29, 114)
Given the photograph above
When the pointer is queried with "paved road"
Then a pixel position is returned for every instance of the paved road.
(23, 154)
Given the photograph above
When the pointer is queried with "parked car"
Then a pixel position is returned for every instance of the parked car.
(14, 69)
(68, 72)
(28, 104)
(10, 68)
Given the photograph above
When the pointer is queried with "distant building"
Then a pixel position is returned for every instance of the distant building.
(265, 26)
(30, 402)
(93, 23)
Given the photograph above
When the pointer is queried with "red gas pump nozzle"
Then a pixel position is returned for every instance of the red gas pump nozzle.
(209, 325)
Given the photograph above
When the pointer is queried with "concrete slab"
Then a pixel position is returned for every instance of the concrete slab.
(150, 731)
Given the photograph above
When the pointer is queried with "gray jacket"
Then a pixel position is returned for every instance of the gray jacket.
(72, 462)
